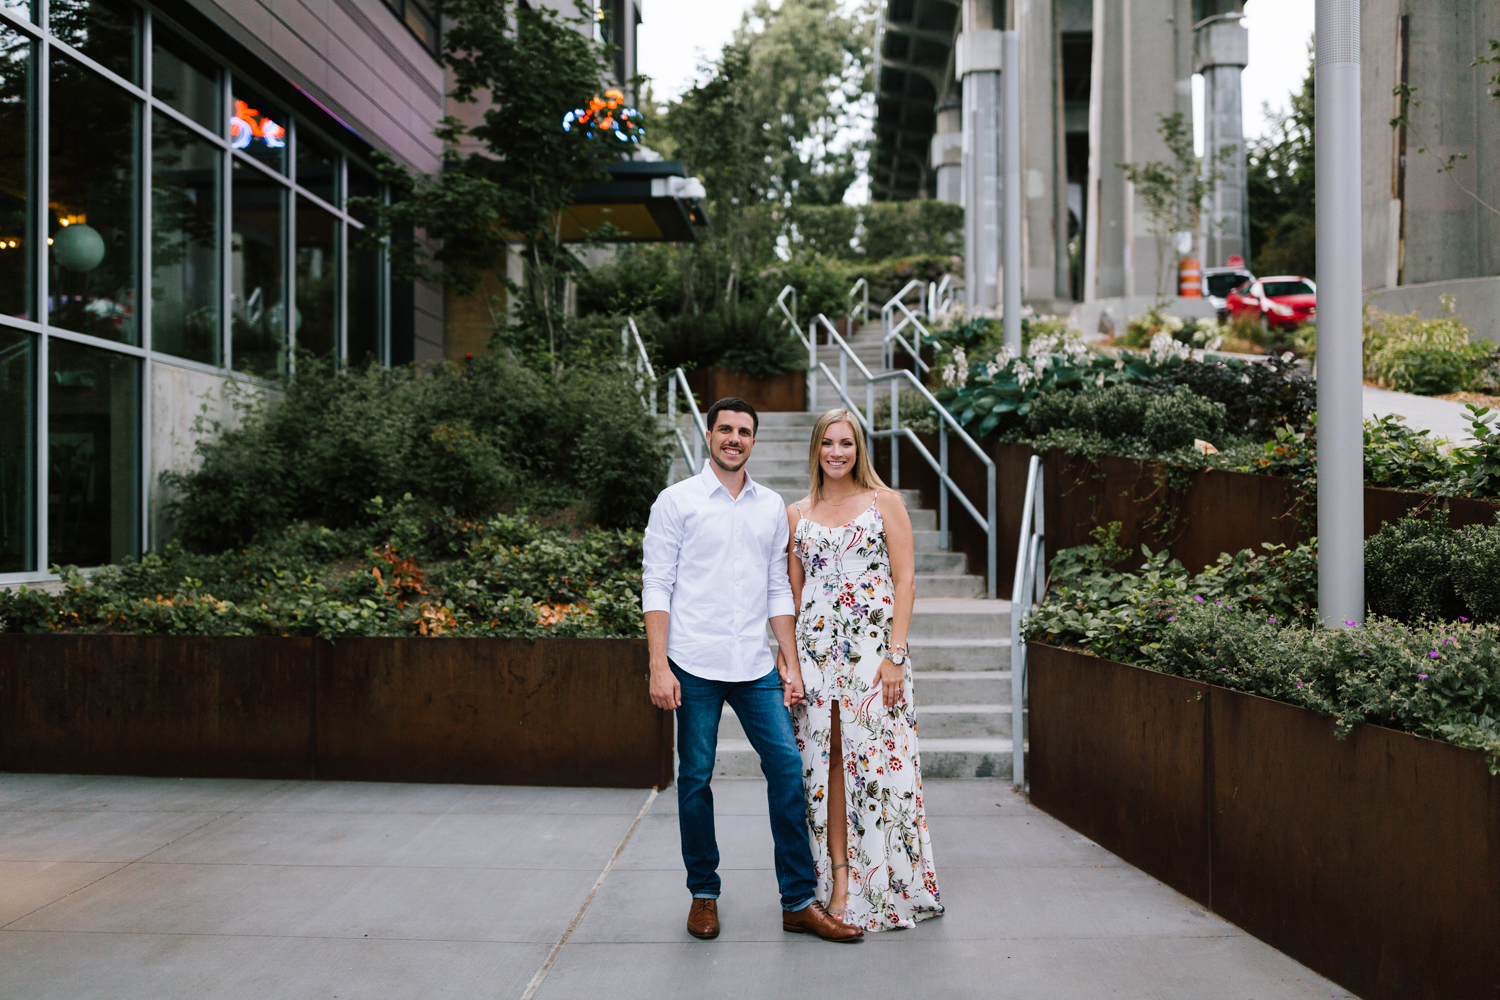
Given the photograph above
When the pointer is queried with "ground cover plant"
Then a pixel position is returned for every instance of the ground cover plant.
(1248, 624)
(1429, 357)
(403, 569)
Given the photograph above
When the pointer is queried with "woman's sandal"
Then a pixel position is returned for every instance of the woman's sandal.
(838, 914)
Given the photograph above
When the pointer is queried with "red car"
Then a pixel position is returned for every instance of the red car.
(1286, 302)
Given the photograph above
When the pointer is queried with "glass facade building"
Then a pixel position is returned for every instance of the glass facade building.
(159, 206)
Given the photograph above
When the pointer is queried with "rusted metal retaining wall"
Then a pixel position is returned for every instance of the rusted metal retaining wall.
(1207, 512)
(482, 711)
(1373, 860)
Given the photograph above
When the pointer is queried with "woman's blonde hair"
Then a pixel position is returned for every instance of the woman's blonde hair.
(864, 469)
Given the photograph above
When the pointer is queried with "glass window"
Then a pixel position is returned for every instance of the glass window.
(366, 275)
(92, 457)
(258, 127)
(317, 280)
(103, 30)
(17, 439)
(20, 8)
(184, 78)
(93, 214)
(15, 175)
(317, 166)
(256, 272)
(184, 242)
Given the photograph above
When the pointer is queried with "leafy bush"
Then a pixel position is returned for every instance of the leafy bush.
(1400, 458)
(1408, 570)
(1475, 569)
(1256, 397)
(478, 438)
(749, 338)
(1199, 333)
(1429, 357)
(409, 570)
(1476, 467)
(1125, 411)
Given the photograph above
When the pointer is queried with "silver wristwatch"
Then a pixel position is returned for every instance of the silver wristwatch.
(897, 655)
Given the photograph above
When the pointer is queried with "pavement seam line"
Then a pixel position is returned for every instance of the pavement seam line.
(541, 974)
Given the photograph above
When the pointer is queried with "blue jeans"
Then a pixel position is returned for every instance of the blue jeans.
(769, 728)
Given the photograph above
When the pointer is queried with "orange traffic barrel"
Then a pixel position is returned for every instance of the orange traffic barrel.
(1190, 281)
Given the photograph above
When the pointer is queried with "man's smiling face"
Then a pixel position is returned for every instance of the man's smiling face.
(730, 439)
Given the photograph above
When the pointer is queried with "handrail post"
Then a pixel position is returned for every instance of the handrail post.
(1039, 518)
(672, 399)
(943, 527)
(992, 572)
(895, 436)
(870, 403)
(812, 366)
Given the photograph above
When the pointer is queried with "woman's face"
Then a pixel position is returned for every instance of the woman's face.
(837, 452)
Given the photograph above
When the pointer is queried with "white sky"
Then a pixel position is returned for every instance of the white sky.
(676, 35)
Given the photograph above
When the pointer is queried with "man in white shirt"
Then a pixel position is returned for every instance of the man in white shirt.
(715, 572)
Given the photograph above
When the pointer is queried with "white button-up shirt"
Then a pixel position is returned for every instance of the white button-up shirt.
(717, 565)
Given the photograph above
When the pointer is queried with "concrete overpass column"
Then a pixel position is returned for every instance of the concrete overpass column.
(977, 65)
(1223, 51)
(948, 151)
(1041, 72)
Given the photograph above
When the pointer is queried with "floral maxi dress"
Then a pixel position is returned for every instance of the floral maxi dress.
(843, 627)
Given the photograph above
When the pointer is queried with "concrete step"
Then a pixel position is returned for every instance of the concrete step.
(927, 541)
(951, 563)
(942, 757)
(959, 619)
(961, 687)
(959, 654)
(933, 721)
(933, 585)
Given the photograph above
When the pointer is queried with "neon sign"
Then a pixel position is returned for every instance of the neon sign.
(606, 116)
(248, 124)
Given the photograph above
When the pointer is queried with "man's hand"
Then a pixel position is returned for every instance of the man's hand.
(666, 692)
(792, 692)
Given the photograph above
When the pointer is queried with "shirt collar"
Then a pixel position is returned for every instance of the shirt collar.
(711, 482)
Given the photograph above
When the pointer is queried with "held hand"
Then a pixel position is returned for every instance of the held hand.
(892, 683)
(666, 692)
(792, 692)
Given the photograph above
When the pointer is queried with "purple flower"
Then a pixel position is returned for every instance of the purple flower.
(1462, 618)
(1299, 685)
(1423, 676)
(1348, 622)
(1199, 598)
(1219, 603)
(1433, 654)
(1172, 618)
(1273, 621)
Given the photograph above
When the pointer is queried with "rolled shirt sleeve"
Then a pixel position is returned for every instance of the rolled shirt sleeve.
(778, 584)
(659, 551)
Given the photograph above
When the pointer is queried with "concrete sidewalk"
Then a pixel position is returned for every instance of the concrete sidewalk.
(154, 888)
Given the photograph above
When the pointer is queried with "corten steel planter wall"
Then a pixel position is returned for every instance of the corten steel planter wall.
(1217, 511)
(486, 711)
(786, 392)
(1373, 860)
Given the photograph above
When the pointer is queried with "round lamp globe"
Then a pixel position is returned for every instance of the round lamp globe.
(78, 247)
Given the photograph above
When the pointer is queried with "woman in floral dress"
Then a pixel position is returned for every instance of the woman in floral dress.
(852, 572)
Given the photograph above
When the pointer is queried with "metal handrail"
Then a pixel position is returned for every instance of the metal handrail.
(887, 311)
(893, 333)
(947, 424)
(644, 373)
(1028, 589)
(694, 456)
(863, 305)
(790, 316)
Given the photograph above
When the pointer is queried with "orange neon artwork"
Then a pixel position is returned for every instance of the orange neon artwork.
(248, 124)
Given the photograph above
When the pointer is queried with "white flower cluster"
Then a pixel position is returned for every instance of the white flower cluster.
(1068, 343)
(956, 375)
(1164, 348)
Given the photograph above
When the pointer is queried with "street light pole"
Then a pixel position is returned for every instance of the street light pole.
(1341, 544)
(1010, 146)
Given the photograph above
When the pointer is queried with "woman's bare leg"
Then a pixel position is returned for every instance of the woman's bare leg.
(838, 817)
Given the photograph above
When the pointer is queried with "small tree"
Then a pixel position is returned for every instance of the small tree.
(1174, 191)
(535, 66)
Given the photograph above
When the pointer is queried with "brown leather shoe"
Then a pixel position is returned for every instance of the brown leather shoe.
(703, 918)
(814, 919)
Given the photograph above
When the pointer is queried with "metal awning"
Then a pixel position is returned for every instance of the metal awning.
(646, 201)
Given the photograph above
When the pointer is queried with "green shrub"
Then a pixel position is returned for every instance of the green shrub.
(1400, 458)
(750, 338)
(1475, 568)
(1408, 570)
(476, 438)
(1476, 467)
(1429, 357)
(1126, 411)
